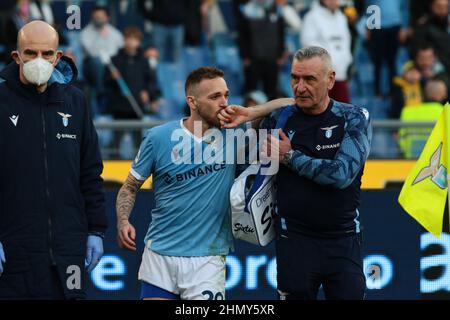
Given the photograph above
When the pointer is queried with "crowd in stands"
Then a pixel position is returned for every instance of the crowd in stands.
(142, 50)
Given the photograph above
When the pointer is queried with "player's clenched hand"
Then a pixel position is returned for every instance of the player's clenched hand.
(274, 148)
(270, 149)
(126, 236)
(234, 115)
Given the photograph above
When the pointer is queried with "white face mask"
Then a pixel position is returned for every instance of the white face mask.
(37, 71)
(153, 62)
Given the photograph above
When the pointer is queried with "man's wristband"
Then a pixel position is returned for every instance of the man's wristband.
(287, 159)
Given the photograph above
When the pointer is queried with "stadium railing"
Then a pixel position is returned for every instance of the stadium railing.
(384, 143)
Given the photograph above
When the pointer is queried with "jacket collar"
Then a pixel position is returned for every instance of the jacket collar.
(64, 73)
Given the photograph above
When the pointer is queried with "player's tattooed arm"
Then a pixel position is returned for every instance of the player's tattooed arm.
(126, 198)
(126, 234)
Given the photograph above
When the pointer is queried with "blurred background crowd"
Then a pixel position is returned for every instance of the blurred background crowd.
(390, 56)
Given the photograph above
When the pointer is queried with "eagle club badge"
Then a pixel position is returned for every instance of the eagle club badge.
(436, 171)
(65, 118)
(329, 131)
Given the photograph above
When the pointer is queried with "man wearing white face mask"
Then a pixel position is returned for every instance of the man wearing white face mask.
(52, 203)
(37, 71)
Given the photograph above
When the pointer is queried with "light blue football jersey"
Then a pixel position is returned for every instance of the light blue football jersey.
(191, 183)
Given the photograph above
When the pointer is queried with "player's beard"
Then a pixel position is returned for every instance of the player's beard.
(209, 117)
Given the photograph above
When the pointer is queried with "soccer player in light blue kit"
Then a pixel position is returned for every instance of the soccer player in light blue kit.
(190, 233)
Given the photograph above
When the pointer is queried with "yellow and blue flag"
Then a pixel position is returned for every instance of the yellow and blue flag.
(425, 190)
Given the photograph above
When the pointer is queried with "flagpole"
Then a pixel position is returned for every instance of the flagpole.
(447, 152)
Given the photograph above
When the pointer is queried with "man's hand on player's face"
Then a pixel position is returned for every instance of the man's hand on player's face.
(234, 115)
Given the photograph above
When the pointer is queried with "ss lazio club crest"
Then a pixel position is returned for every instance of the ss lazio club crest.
(175, 154)
(329, 131)
(437, 172)
(65, 118)
(212, 143)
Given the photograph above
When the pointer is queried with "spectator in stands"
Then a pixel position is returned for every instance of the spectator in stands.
(290, 15)
(417, 9)
(351, 13)
(151, 54)
(26, 11)
(7, 7)
(126, 13)
(196, 20)
(433, 29)
(383, 43)
(406, 90)
(100, 41)
(261, 44)
(42, 10)
(412, 140)
(216, 21)
(18, 18)
(168, 18)
(429, 66)
(302, 6)
(326, 26)
(132, 66)
(427, 63)
(436, 91)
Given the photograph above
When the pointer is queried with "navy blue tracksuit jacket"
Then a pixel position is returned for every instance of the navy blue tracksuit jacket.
(51, 193)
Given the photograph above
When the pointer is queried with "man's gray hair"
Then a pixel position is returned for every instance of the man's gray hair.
(314, 51)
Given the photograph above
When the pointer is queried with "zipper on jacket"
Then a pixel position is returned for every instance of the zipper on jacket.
(47, 191)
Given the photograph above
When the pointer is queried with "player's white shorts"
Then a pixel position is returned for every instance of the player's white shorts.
(192, 278)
